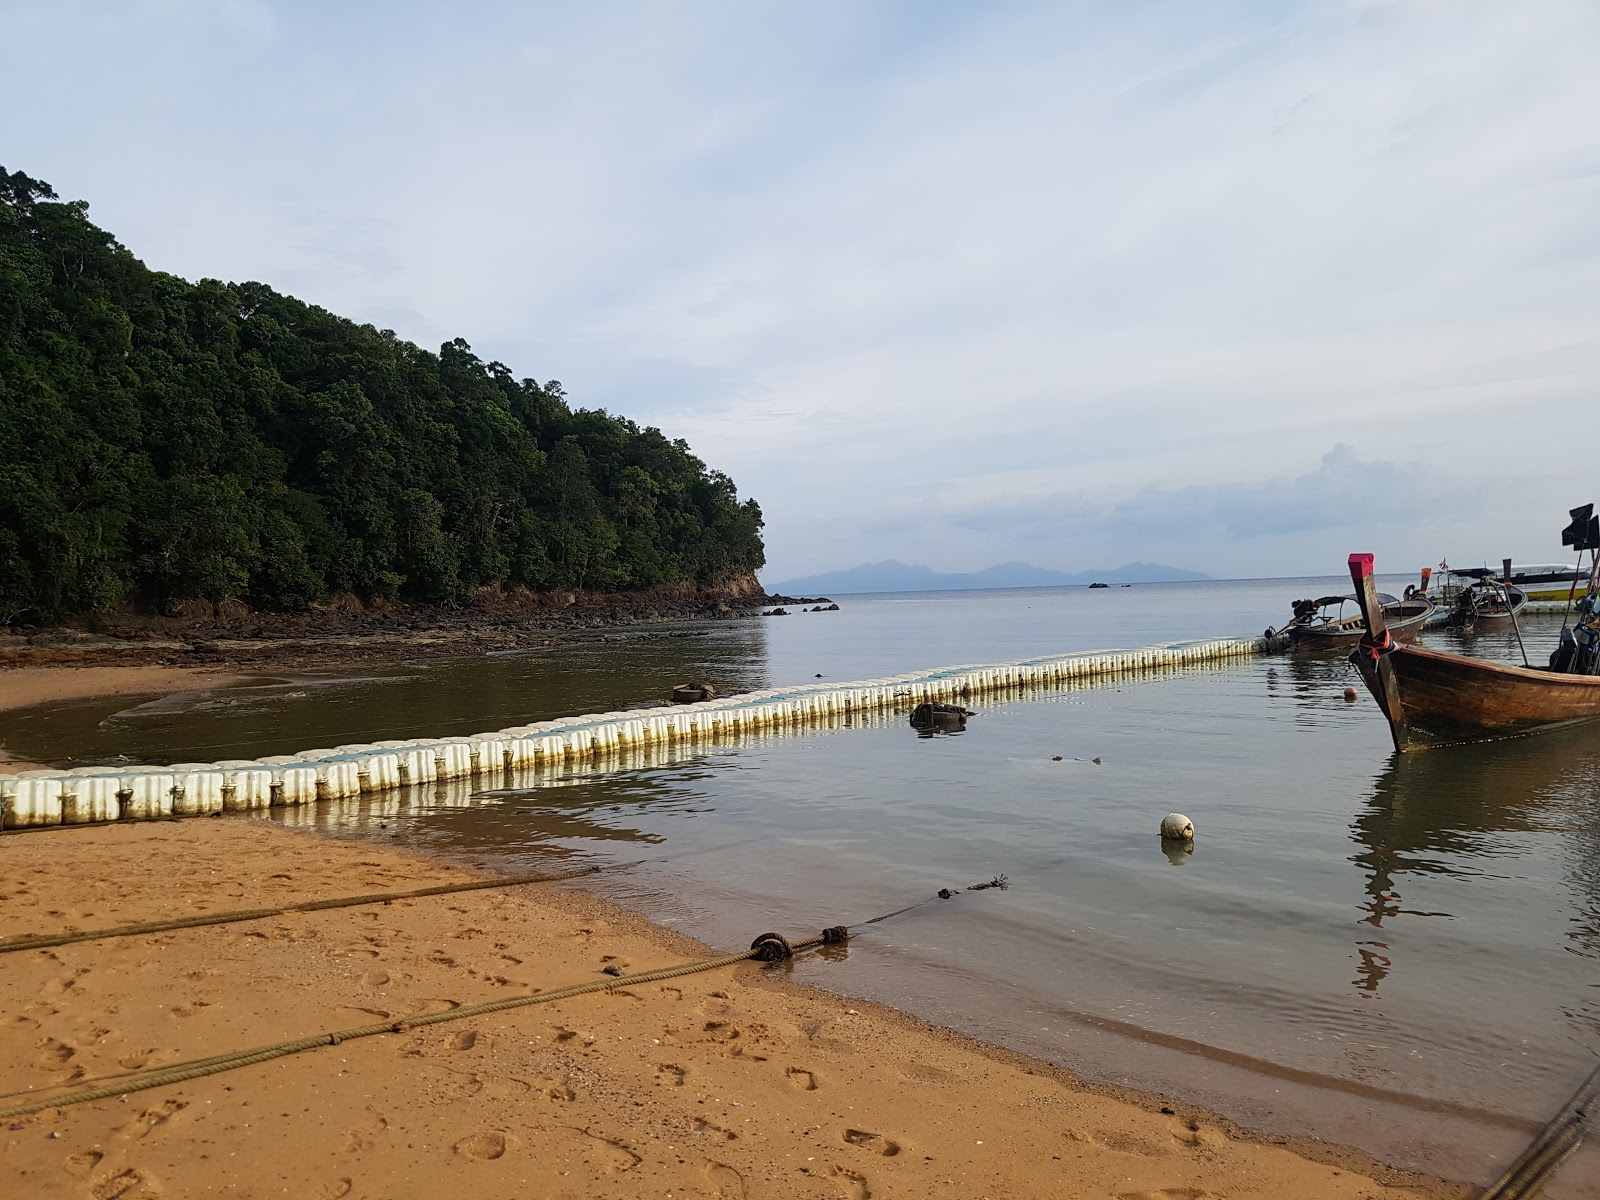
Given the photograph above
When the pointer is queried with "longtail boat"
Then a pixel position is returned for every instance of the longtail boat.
(1325, 622)
(1432, 698)
(1488, 604)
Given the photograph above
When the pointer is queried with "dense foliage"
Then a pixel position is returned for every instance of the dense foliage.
(161, 439)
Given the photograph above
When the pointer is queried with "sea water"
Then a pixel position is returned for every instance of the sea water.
(1397, 953)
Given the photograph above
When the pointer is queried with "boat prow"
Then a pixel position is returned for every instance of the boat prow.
(1432, 698)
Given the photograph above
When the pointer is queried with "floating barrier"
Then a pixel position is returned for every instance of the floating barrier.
(34, 799)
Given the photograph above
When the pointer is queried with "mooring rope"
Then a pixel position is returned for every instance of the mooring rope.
(37, 941)
(1560, 1136)
(768, 948)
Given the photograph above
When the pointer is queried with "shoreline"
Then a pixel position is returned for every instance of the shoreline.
(348, 632)
(25, 687)
(729, 1083)
(28, 687)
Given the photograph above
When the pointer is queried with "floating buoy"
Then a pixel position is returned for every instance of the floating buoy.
(1351, 695)
(1175, 827)
(693, 693)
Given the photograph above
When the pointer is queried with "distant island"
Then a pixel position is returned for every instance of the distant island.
(892, 576)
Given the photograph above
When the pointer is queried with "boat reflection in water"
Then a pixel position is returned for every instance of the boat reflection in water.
(1470, 815)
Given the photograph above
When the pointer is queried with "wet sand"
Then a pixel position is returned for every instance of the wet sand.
(727, 1083)
(22, 687)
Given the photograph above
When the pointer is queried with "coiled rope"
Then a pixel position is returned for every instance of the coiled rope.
(37, 941)
(768, 948)
(1560, 1136)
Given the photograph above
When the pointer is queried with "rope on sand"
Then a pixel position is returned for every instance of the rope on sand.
(768, 948)
(1555, 1143)
(39, 941)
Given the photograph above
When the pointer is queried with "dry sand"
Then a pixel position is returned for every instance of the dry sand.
(729, 1083)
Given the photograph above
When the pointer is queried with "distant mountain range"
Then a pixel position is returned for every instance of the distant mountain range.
(892, 576)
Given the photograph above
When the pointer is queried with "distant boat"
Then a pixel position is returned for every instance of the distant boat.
(1544, 582)
(1327, 621)
(1488, 604)
(1431, 698)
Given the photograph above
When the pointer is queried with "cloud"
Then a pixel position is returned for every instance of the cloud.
(891, 264)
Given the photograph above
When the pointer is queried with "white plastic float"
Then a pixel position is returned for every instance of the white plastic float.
(32, 799)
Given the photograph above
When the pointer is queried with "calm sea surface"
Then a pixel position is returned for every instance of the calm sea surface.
(1402, 955)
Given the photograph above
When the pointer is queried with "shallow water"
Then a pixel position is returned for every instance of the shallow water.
(1395, 953)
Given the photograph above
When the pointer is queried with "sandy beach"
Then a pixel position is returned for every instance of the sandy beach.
(22, 687)
(727, 1083)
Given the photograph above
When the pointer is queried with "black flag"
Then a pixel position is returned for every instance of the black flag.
(1584, 532)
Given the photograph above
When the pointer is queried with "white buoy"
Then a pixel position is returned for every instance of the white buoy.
(1175, 827)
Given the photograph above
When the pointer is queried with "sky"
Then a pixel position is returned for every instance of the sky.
(1239, 287)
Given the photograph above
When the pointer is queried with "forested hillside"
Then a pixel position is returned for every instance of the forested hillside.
(161, 440)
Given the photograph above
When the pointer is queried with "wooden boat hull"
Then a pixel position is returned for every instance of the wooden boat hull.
(1446, 698)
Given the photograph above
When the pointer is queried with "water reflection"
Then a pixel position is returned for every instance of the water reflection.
(287, 712)
(1178, 853)
(1470, 811)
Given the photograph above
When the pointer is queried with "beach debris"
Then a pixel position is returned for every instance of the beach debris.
(1055, 758)
(999, 881)
(944, 717)
(1175, 827)
(1351, 695)
(693, 693)
(613, 969)
(1095, 760)
(946, 893)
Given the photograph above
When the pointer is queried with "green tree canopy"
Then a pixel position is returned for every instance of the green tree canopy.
(161, 439)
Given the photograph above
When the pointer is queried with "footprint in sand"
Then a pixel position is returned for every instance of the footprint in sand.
(54, 1054)
(1191, 1133)
(852, 1184)
(82, 1163)
(729, 1184)
(802, 1079)
(148, 1121)
(703, 1126)
(1171, 1193)
(365, 1137)
(64, 985)
(671, 1074)
(335, 1189)
(125, 1185)
(875, 1142)
(487, 1146)
(465, 1040)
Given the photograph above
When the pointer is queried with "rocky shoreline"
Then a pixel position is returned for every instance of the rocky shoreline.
(229, 634)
